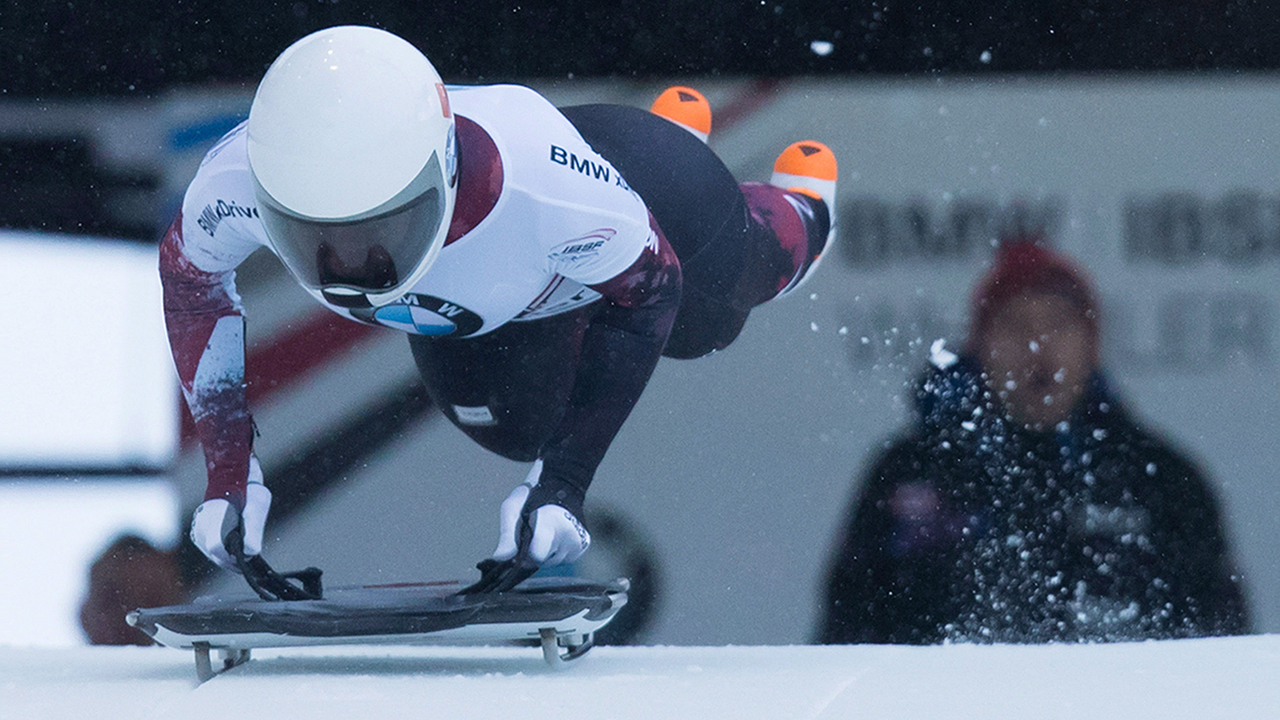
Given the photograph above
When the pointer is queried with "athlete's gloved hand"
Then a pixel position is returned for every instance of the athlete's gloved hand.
(215, 519)
(538, 525)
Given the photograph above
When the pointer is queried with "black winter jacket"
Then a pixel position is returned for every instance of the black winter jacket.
(972, 529)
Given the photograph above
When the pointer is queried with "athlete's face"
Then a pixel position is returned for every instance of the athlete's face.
(1038, 352)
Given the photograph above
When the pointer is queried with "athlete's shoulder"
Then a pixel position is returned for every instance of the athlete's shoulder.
(223, 171)
(513, 110)
(530, 134)
(231, 150)
(220, 222)
(461, 96)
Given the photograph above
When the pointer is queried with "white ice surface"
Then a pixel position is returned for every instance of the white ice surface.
(1232, 678)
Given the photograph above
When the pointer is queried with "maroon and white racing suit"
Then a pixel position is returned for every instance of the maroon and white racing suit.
(543, 225)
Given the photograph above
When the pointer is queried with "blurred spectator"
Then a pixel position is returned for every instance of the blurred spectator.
(1026, 504)
(129, 574)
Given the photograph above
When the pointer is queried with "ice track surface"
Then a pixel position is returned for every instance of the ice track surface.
(1234, 678)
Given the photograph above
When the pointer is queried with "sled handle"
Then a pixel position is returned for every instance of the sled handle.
(269, 584)
(272, 585)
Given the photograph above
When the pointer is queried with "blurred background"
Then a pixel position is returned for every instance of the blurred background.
(1142, 137)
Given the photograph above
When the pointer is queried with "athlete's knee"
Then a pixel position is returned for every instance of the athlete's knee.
(704, 325)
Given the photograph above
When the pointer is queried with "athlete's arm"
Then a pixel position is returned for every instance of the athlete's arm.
(205, 322)
(216, 229)
(620, 349)
(206, 335)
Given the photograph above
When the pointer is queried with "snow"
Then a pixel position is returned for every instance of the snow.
(822, 48)
(1231, 677)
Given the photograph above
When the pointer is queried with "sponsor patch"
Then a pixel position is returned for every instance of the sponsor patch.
(425, 315)
(581, 248)
(474, 415)
(597, 169)
(218, 210)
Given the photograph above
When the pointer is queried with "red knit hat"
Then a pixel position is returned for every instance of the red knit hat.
(1023, 264)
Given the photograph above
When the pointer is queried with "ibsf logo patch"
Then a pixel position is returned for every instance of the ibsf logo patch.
(584, 247)
(427, 315)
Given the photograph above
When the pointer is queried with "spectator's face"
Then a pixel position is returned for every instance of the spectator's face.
(1038, 352)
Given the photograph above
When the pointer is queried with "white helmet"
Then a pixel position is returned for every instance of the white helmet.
(351, 147)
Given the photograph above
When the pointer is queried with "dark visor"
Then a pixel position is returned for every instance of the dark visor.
(371, 252)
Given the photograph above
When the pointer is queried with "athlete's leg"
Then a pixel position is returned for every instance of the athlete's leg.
(506, 389)
(796, 223)
(738, 246)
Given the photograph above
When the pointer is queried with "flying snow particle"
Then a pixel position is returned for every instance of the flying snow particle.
(822, 48)
(985, 57)
(813, 326)
(1151, 468)
(940, 355)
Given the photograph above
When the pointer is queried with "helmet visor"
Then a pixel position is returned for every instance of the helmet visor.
(372, 252)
